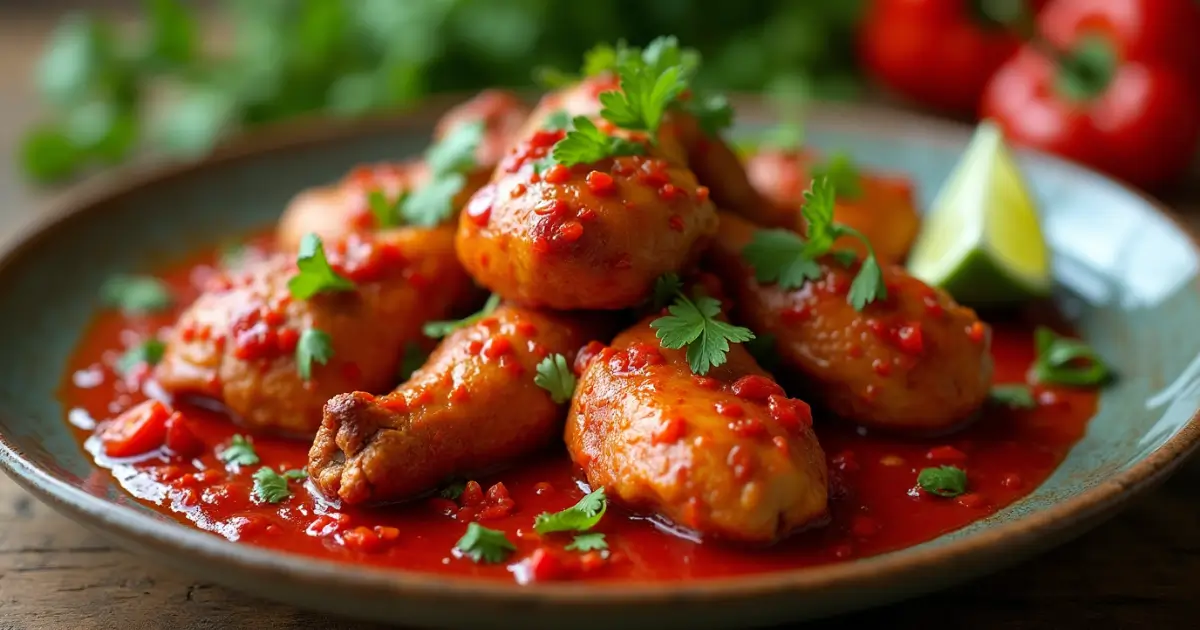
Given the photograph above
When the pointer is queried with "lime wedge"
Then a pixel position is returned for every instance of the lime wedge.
(982, 238)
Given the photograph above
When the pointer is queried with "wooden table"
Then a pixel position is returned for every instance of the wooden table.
(1140, 570)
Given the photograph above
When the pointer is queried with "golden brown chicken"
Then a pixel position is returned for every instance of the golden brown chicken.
(727, 455)
(885, 211)
(914, 362)
(589, 236)
(473, 406)
(338, 209)
(247, 342)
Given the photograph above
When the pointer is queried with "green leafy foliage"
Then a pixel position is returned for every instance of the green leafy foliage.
(240, 452)
(314, 346)
(272, 487)
(481, 544)
(314, 275)
(944, 481)
(439, 329)
(149, 352)
(136, 295)
(591, 541)
(578, 518)
(585, 144)
(694, 323)
(1014, 396)
(842, 173)
(555, 376)
(1066, 361)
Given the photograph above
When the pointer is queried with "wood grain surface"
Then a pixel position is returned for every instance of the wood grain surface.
(1141, 569)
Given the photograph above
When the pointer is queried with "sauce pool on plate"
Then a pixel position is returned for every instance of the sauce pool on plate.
(876, 505)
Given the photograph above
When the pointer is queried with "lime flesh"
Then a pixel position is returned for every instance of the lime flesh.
(982, 238)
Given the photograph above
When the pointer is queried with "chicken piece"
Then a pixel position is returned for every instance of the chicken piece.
(886, 213)
(238, 342)
(589, 236)
(338, 209)
(727, 455)
(472, 407)
(915, 362)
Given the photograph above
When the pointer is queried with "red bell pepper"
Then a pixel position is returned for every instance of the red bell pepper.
(1110, 83)
(940, 53)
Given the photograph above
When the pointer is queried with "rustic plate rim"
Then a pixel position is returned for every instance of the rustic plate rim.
(93, 195)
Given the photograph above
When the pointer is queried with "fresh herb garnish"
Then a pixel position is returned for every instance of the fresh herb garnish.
(645, 95)
(842, 173)
(314, 274)
(272, 487)
(414, 357)
(136, 295)
(239, 452)
(481, 544)
(456, 152)
(1066, 361)
(585, 144)
(432, 204)
(149, 351)
(386, 211)
(944, 481)
(558, 119)
(1015, 396)
(578, 518)
(314, 346)
(591, 541)
(693, 322)
(789, 260)
(666, 287)
(555, 376)
(439, 329)
(453, 490)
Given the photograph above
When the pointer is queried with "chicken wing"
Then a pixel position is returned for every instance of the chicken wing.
(727, 455)
(238, 342)
(338, 209)
(473, 406)
(915, 362)
(885, 212)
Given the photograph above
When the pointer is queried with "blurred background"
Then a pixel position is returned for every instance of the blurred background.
(86, 85)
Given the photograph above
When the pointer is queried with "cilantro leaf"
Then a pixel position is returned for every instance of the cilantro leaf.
(842, 173)
(239, 452)
(453, 490)
(713, 113)
(644, 96)
(295, 474)
(432, 204)
(414, 357)
(555, 376)
(1066, 361)
(385, 211)
(695, 324)
(149, 351)
(578, 518)
(314, 345)
(455, 153)
(1016, 396)
(136, 295)
(591, 541)
(777, 255)
(665, 52)
(272, 487)
(666, 287)
(481, 544)
(436, 330)
(585, 144)
(314, 274)
(944, 481)
(868, 284)
(817, 210)
(558, 119)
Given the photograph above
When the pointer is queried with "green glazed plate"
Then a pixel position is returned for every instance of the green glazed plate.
(1125, 273)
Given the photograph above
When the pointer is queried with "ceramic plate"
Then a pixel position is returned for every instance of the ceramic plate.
(1126, 274)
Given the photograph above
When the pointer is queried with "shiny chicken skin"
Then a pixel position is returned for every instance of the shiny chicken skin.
(237, 343)
(589, 236)
(339, 209)
(886, 213)
(472, 407)
(915, 362)
(727, 455)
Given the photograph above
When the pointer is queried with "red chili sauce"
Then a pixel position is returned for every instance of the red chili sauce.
(875, 504)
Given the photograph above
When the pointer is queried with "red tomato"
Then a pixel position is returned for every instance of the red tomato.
(140, 429)
(180, 439)
(938, 52)
(1117, 97)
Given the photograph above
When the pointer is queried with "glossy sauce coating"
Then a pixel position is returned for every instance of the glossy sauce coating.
(472, 407)
(914, 362)
(589, 236)
(338, 209)
(885, 213)
(727, 455)
(237, 342)
(874, 506)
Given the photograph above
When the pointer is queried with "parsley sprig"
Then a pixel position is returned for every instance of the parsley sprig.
(481, 544)
(694, 322)
(944, 481)
(555, 376)
(1016, 396)
(432, 203)
(314, 346)
(272, 487)
(591, 541)
(314, 274)
(148, 351)
(439, 329)
(1066, 361)
(578, 518)
(786, 258)
(843, 173)
(240, 452)
(585, 144)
